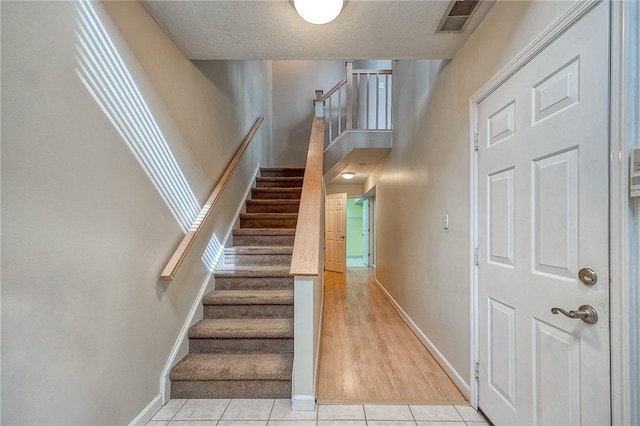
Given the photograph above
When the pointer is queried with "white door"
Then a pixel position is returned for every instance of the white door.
(365, 232)
(543, 216)
(334, 232)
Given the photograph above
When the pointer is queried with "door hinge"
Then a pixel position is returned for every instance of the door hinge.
(476, 256)
(475, 141)
(477, 371)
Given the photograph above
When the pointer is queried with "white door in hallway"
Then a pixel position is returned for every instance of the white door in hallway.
(335, 232)
(543, 216)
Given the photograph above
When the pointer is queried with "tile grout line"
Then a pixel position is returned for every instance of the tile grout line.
(412, 415)
(273, 404)
(224, 411)
(177, 411)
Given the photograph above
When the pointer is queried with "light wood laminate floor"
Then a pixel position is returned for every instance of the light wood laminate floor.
(368, 353)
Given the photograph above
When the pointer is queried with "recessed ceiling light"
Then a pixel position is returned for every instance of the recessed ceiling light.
(348, 175)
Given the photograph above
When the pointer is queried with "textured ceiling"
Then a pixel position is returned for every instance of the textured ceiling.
(271, 29)
(361, 161)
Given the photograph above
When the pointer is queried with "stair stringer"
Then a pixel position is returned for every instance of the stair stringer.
(181, 345)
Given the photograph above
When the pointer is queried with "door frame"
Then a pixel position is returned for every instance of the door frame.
(366, 232)
(623, 244)
(371, 195)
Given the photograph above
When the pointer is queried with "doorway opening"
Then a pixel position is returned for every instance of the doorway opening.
(358, 232)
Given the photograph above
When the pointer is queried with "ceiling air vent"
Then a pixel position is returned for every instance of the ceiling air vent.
(457, 16)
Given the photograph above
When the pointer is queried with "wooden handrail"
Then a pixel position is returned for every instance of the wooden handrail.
(174, 263)
(333, 90)
(306, 246)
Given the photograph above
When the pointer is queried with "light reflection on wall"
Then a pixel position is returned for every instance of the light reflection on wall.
(105, 76)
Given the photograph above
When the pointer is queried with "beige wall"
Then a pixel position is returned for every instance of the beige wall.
(86, 325)
(423, 266)
(351, 189)
(294, 86)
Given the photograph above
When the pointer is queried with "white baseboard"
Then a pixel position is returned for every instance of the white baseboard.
(241, 205)
(148, 412)
(181, 344)
(457, 379)
(303, 403)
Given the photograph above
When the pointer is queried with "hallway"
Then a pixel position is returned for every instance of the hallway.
(368, 354)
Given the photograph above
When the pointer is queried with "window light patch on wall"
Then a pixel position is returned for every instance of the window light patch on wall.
(106, 77)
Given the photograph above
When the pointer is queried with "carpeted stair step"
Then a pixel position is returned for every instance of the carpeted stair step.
(204, 376)
(279, 182)
(273, 206)
(206, 338)
(263, 237)
(260, 255)
(281, 172)
(253, 278)
(248, 304)
(264, 335)
(256, 328)
(268, 220)
(276, 193)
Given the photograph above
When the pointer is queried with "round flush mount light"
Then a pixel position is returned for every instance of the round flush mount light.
(348, 175)
(318, 11)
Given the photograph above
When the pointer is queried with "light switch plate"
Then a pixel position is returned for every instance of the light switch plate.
(445, 220)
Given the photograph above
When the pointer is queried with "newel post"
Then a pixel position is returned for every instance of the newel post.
(318, 104)
(349, 123)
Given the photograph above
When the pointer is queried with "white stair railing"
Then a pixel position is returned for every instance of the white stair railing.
(362, 101)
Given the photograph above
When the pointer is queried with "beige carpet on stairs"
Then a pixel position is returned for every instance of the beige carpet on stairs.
(243, 347)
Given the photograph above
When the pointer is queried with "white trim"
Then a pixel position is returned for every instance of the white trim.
(148, 412)
(239, 210)
(341, 135)
(457, 379)
(473, 244)
(182, 342)
(181, 345)
(573, 15)
(623, 305)
(316, 368)
(303, 380)
(303, 403)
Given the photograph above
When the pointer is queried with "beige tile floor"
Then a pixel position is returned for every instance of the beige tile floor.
(269, 412)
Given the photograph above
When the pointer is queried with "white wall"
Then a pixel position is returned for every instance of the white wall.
(86, 324)
(423, 266)
(294, 86)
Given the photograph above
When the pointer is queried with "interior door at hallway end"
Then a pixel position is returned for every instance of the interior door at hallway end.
(543, 216)
(335, 232)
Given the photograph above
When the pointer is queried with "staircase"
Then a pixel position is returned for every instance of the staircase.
(243, 347)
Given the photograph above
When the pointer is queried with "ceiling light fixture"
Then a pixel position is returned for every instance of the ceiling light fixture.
(318, 11)
(348, 175)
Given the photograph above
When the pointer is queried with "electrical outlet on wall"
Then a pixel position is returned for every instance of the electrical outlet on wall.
(445, 220)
